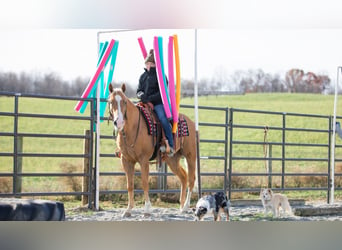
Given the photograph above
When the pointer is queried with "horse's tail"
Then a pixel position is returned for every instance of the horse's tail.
(195, 189)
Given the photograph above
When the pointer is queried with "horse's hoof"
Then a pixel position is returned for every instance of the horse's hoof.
(126, 214)
(147, 215)
(182, 211)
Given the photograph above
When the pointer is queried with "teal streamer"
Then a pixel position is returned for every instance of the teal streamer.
(105, 92)
(160, 43)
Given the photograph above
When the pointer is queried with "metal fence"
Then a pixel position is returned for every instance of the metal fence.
(18, 136)
(299, 149)
(280, 153)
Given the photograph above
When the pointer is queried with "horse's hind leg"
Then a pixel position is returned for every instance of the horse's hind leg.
(191, 162)
(177, 169)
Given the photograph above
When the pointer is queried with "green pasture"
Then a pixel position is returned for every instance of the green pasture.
(274, 102)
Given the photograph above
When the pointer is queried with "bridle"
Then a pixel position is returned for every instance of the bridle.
(122, 131)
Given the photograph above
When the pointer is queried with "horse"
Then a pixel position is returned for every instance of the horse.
(136, 146)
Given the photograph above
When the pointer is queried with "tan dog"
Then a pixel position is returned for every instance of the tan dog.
(274, 201)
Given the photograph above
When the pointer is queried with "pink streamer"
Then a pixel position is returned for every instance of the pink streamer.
(96, 75)
(142, 47)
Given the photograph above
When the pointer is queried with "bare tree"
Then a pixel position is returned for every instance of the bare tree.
(293, 79)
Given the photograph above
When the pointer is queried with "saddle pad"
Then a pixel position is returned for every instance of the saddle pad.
(183, 129)
(151, 126)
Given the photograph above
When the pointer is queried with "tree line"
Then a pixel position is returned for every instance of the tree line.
(249, 81)
(48, 83)
(257, 81)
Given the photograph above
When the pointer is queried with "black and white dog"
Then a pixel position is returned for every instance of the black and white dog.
(216, 204)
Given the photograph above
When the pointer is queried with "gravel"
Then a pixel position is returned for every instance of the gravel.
(322, 212)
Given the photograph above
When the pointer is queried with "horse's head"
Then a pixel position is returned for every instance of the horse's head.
(117, 102)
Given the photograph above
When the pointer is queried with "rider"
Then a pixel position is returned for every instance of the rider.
(148, 92)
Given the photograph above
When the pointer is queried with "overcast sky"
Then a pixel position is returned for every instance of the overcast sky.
(52, 36)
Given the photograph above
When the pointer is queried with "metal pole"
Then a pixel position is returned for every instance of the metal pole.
(283, 152)
(86, 166)
(15, 146)
(196, 121)
(333, 140)
(226, 131)
(269, 155)
(91, 202)
(230, 152)
(329, 158)
(97, 146)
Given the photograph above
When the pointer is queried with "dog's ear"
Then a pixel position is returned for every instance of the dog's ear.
(203, 209)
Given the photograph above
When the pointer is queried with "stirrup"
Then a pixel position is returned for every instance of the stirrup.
(169, 150)
(171, 153)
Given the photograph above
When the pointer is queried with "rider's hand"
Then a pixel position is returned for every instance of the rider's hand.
(140, 94)
(150, 105)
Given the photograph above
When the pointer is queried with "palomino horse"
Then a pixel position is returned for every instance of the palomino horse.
(136, 145)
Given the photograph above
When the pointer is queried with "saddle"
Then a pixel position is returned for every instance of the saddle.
(154, 128)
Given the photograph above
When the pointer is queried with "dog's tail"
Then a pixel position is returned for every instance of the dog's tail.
(288, 208)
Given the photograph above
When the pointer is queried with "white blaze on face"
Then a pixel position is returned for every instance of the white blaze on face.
(118, 117)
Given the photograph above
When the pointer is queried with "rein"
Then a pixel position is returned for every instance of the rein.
(136, 135)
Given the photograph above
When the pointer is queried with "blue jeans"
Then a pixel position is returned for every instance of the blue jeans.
(159, 109)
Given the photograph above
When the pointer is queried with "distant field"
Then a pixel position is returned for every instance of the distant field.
(289, 103)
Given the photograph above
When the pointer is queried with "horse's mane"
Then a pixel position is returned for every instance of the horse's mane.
(118, 91)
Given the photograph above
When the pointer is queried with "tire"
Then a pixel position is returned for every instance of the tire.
(31, 210)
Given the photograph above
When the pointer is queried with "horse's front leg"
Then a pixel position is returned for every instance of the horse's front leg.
(145, 167)
(129, 170)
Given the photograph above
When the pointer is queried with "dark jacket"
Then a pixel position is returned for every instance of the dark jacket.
(148, 83)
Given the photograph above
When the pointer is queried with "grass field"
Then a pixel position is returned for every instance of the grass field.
(275, 102)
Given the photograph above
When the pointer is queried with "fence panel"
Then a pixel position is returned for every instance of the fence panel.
(41, 153)
(295, 148)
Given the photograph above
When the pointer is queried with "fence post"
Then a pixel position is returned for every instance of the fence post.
(269, 166)
(161, 179)
(18, 183)
(283, 152)
(226, 148)
(86, 166)
(329, 160)
(230, 164)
